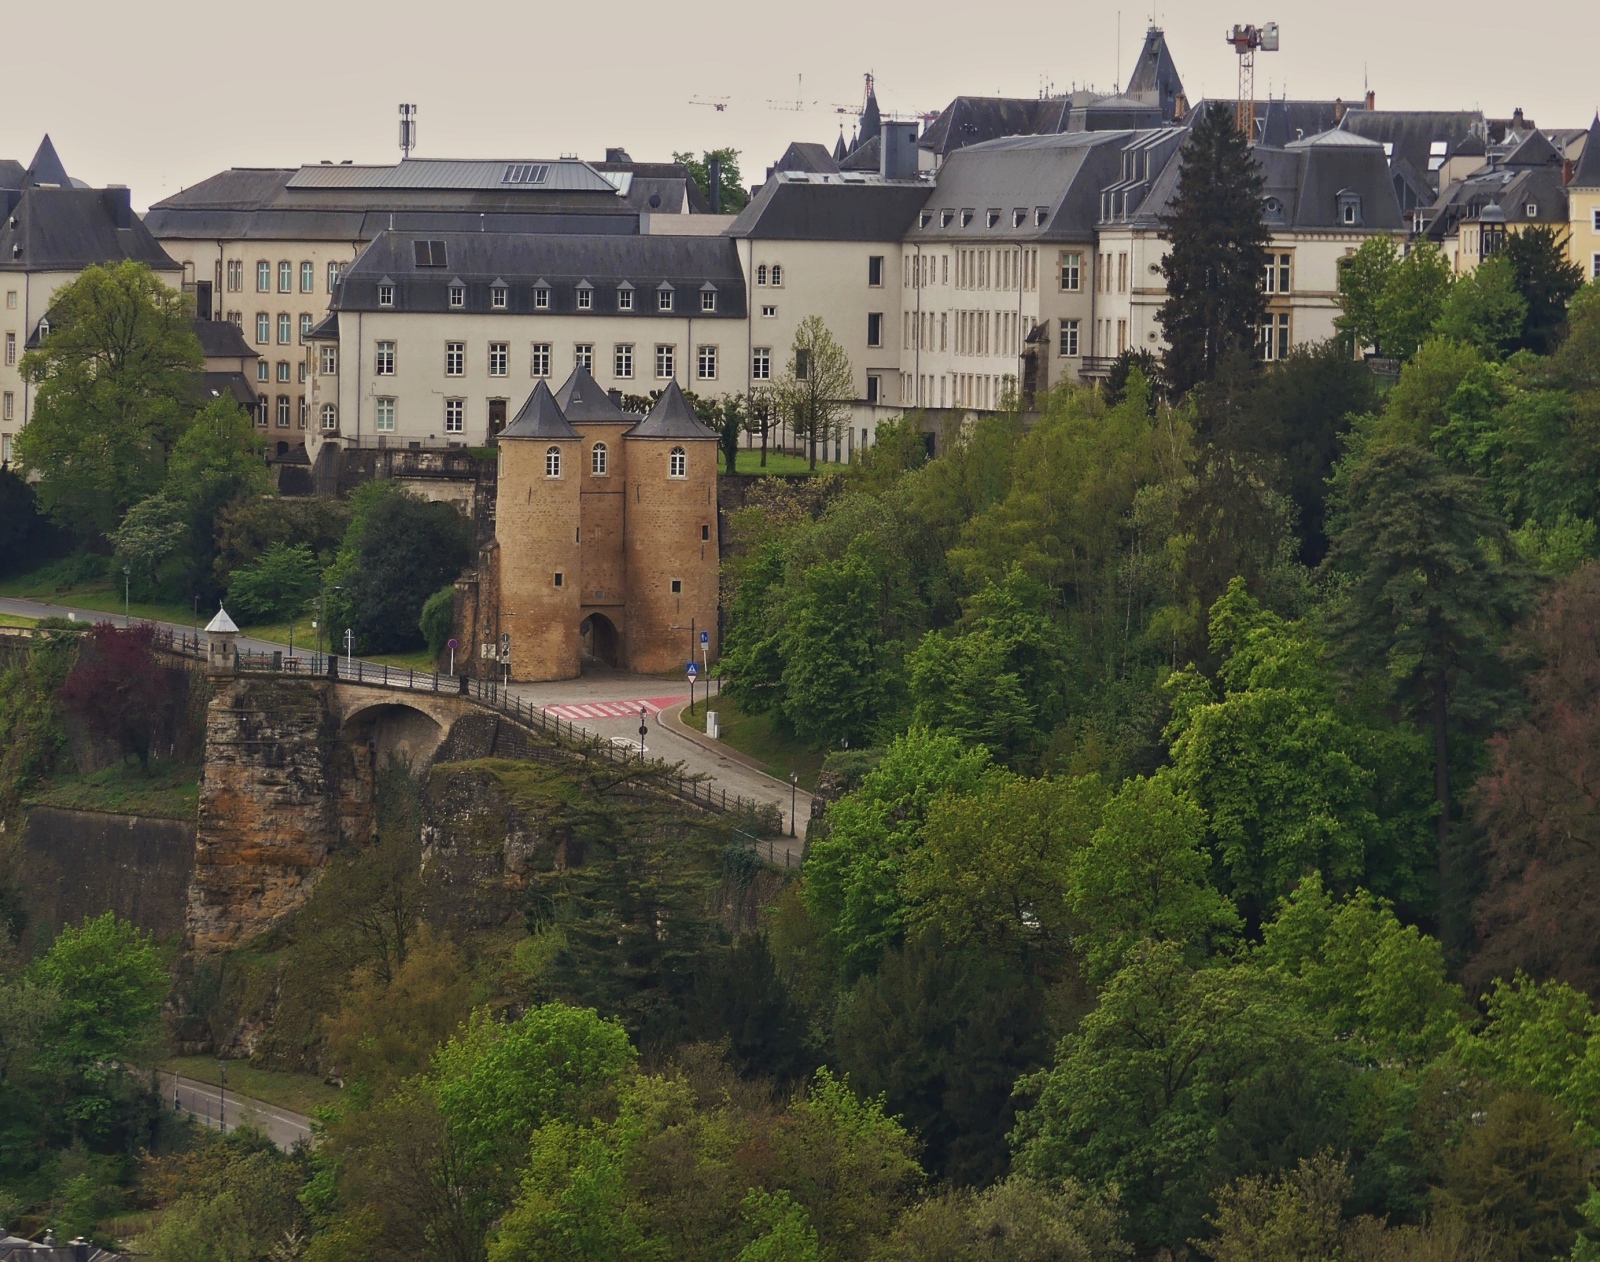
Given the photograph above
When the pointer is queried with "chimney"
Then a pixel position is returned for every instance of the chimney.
(1338, 109)
(1372, 99)
(615, 396)
(617, 155)
(119, 203)
(897, 151)
(1568, 168)
(714, 185)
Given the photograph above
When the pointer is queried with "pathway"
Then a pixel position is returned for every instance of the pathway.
(208, 1106)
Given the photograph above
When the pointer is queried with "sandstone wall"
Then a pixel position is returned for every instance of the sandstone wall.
(537, 522)
(672, 535)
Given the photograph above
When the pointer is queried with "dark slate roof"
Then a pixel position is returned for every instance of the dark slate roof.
(232, 385)
(46, 167)
(671, 417)
(791, 207)
(539, 417)
(971, 120)
(865, 156)
(1511, 189)
(1587, 173)
(219, 339)
(1155, 79)
(1063, 174)
(13, 175)
(478, 259)
(1533, 151)
(68, 229)
(1298, 118)
(1411, 134)
(802, 155)
(581, 399)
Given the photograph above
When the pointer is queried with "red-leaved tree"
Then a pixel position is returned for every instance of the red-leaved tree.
(1539, 807)
(118, 688)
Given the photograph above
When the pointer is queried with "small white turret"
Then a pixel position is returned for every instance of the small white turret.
(221, 655)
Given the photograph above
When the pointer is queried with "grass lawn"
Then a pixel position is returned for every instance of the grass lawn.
(299, 1093)
(753, 734)
(777, 462)
(98, 595)
(170, 791)
(420, 659)
(17, 620)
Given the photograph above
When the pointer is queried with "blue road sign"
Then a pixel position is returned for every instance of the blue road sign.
(693, 670)
(705, 637)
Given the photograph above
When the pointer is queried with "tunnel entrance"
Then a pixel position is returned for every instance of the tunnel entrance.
(597, 641)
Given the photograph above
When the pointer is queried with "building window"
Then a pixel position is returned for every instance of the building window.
(622, 361)
(874, 395)
(875, 271)
(777, 273)
(335, 271)
(499, 357)
(761, 274)
(678, 463)
(585, 299)
(330, 416)
(235, 276)
(583, 356)
(300, 370)
(385, 416)
(1532, 210)
(1349, 208)
(761, 361)
(458, 296)
(385, 361)
(769, 312)
(305, 326)
(263, 277)
(541, 299)
(663, 300)
(308, 278)
(1274, 344)
(705, 532)
(677, 587)
(597, 460)
(874, 328)
(455, 358)
(706, 363)
(802, 363)
(1071, 272)
(1069, 337)
(285, 277)
(666, 365)
(624, 300)
(300, 412)
(9, 413)
(558, 578)
(386, 295)
(455, 416)
(539, 359)
(552, 462)
(11, 349)
(263, 327)
(263, 370)
(263, 404)
(497, 297)
(283, 411)
(285, 328)
(1594, 267)
(283, 370)
(708, 300)
(1276, 280)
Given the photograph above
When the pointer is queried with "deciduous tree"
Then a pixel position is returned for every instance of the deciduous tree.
(117, 687)
(816, 390)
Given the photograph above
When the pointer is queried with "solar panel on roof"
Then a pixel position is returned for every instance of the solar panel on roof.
(526, 173)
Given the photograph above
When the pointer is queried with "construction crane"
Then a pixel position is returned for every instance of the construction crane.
(1246, 40)
(800, 104)
(718, 103)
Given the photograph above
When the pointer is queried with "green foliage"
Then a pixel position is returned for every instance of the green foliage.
(731, 184)
(247, 527)
(815, 392)
(1484, 308)
(31, 736)
(114, 392)
(109, 979)
(438, 618)
(1546, 279)
(277, 585)
(1391, 300)
(1217, 242)
(25, 533)
(231, 1199)
(853, 873)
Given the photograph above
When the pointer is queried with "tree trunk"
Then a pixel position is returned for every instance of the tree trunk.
(811, 442)
(1441, 788)
(766, 425)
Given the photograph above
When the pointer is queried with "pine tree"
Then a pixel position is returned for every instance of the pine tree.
(1547, 280)
(1213, 268)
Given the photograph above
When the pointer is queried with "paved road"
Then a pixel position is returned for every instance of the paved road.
(207, 1105)
(666, 739)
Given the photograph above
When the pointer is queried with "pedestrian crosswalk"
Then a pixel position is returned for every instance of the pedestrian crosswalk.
(581, 710)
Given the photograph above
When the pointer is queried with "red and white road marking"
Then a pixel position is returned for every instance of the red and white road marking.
(581, 710)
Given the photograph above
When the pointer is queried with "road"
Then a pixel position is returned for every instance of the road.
(587, 701)
(207, 1105)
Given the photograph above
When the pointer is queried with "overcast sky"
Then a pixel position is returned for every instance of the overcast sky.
(161, 95)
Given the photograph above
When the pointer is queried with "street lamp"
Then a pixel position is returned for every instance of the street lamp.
(349, 650)
(127, 576)
(222, 1103)
(794, 798)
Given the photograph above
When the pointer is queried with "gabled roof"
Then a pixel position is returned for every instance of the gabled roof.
(797, 207)
(539, 417)
(1424, 138)
(220, 339)
(68, 229)
(671, 417)
(13, 175)
(46, 166)
(865, 156)
(802, 155)
(1534, 151)
(1587, 174)
(582, 400)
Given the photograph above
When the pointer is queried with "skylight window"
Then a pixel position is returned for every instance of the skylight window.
(526, 173)
(430, 253)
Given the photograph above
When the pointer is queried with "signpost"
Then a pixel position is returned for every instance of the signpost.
(693, 673)
(505, 655)
(452, 655)
(642, 730)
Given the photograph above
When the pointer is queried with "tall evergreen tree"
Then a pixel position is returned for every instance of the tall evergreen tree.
(1213, 269)
(1546, 280)
(1430, 593)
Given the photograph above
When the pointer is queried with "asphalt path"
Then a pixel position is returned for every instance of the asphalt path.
(725, 768)
(209, 1106)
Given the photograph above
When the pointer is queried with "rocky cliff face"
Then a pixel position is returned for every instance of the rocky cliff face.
(269, 814)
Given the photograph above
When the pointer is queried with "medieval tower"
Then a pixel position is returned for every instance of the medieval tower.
(606, 534)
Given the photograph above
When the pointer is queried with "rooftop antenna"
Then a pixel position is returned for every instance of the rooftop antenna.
(408, 130)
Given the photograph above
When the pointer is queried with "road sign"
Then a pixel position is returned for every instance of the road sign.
(451, 643)
(705, 637)
(694, 672)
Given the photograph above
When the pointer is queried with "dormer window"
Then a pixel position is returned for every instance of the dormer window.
(992, 219)
(541, 297)
(1040, 214)
(458, 295)
(497, 297)
(585, 292)
(386, 293)
(624, 297)
(1532, 209)
(946, 218)
(708, 300)
(1349, 208)
(664, 299)
(966, 216)
(1272, 208)
(924, 219)
(1018, 217)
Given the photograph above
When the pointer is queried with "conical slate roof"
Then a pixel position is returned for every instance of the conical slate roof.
(839, 151)
(540, 417)
(671, 417)
(870, 119)
(582, 399)
(46, 166)
(1155, 80)
(1588, 173)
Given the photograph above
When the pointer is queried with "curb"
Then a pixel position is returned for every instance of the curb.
(674, 719)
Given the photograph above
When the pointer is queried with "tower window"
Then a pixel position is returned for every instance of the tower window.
(677, 586)
(558, 578)
(705, 532)
(552, 462)
(597, 460)
(678, 463)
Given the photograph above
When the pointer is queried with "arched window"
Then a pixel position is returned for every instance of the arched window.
(597, 460)
(678, 463)
(330, 416)
(777, 273)
(761, 274)
(552, 462)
